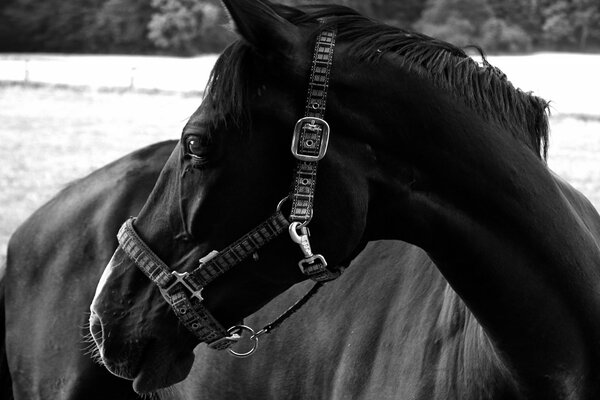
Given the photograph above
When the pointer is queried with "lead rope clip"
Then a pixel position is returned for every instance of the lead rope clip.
(312, 263)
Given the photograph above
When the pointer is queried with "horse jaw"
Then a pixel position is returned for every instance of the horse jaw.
(155, 374)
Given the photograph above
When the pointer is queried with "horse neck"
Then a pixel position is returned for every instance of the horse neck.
(491, 215)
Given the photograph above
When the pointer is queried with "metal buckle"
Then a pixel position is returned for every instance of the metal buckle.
(314, 133)
(181, 277)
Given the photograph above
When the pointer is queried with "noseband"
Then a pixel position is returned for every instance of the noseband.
(183, 290)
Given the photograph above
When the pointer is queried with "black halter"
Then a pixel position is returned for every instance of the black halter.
(183, 291)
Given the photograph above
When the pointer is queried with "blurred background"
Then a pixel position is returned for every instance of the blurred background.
(190, 27)
(83, 82)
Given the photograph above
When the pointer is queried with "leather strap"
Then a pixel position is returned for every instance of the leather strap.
(183, 291)
(311, 137)
(311, 141)
(247, 245)
(193, 315)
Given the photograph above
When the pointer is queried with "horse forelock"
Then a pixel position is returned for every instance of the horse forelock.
(228, 87)
(482, 87)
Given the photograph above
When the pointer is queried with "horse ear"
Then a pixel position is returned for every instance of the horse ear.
(260, 25)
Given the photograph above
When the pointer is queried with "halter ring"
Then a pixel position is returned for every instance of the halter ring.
(237, 330)
(282, 202)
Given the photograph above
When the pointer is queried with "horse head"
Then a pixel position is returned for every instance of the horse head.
(231, 170)
(421, 135)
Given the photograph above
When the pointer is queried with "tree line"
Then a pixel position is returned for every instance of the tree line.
(189, 27)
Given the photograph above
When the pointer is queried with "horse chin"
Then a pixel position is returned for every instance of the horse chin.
(155, 375)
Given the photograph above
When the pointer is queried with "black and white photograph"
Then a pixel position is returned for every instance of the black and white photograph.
(300, 199)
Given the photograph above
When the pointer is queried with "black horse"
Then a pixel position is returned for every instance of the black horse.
(426, 147)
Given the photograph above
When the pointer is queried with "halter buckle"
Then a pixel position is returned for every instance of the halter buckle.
(311, 138)
(183, 279)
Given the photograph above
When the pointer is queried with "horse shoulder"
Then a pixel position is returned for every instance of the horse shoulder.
(54, 261)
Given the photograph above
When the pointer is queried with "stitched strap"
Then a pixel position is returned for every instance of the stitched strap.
(305, 180)
(196, 318)
(191, 312)
(319, 75)
(150, 264)
(241, 249)
(311, 138)
(183, 291)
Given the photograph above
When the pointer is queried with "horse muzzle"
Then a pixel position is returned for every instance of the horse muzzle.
(118, 341)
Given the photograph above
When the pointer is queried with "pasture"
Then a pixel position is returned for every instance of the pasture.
(52, 135)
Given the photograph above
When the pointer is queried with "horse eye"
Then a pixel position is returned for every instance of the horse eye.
(194, 146)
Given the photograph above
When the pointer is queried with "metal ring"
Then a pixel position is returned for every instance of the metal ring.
(282, 202)
(237, 329)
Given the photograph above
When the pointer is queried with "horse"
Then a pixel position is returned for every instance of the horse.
(54, 261)
(468, 266)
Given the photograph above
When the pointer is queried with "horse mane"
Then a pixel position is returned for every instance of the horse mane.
(469, 364)
(482, 87)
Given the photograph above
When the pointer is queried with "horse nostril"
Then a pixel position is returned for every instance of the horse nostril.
(96, 329)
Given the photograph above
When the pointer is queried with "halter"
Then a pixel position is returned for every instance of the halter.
(183, 290)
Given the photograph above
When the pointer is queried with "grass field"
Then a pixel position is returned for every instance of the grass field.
(51, 136)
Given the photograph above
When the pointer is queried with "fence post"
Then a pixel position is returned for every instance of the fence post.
(132, 78)
(26, 80)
